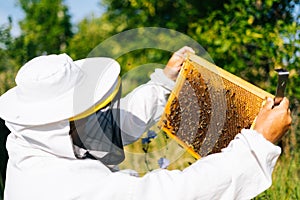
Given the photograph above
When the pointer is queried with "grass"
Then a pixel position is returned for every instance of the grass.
(286, 175)
(286, 180)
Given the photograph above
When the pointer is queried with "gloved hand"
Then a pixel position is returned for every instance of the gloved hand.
(273, 122)
(175, 62)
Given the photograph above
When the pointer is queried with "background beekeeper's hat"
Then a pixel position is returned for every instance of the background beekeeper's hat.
(54, 87)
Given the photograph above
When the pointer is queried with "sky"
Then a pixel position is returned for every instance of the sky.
(77, 8)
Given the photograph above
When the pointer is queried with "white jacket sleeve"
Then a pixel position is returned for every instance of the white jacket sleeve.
(241, 171)
(143, 107)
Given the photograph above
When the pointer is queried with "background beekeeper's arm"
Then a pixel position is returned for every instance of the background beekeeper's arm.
(143, 107)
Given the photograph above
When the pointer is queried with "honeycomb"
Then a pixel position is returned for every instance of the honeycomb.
(208, 107)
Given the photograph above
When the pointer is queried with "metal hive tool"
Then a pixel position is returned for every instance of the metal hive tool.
(209, 106)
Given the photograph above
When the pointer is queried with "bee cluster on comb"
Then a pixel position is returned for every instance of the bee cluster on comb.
(208, 107)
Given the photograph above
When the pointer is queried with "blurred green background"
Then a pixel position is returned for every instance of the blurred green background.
(247, 38)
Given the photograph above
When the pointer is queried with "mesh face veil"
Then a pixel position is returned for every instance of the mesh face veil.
(98, 135)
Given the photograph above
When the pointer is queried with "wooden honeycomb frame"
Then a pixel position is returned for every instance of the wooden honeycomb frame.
(209, 106)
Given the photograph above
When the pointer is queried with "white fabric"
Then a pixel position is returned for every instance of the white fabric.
(143, 107)
(42, 165)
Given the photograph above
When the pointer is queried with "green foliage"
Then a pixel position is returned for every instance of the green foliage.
(170, 14)
(46, 28)
(125, 15)
(5, 36)
(91, 32)
(286, 179)
(7, 63)
(247, 38)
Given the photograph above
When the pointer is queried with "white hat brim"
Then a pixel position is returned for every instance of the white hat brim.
(100, 78)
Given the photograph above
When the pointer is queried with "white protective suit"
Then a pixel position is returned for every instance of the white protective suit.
(42, 165)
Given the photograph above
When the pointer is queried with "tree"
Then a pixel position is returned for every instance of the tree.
(46, 28)
(247, 38)
(91, 31)
(251, 38)
(169, 14)
(7, 62)
(124, 15)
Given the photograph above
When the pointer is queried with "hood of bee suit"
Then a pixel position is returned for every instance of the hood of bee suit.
(27, 141)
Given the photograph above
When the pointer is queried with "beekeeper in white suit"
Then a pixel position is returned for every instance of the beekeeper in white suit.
(55, 152)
